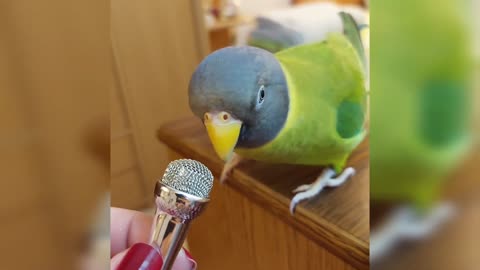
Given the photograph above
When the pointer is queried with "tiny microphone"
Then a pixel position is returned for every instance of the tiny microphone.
(180, 196)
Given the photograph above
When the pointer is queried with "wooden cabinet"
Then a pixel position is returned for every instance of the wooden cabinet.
(156, 46)
(247, 224)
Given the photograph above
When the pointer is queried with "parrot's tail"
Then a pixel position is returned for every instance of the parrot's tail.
(352, 32)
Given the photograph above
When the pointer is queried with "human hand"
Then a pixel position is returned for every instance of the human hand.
(127, 228)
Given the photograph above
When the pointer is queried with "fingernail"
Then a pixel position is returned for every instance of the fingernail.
(190, 259)
(141, 256)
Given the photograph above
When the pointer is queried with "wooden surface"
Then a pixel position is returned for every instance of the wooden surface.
(337, 220)
(235, 233)
(220, 39)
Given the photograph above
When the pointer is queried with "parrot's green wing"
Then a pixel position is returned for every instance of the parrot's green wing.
(327, 105)
(351, 31)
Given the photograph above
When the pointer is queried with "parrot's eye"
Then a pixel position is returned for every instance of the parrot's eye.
(260, 95)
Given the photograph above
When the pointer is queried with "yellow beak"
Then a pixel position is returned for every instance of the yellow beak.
(223, 131)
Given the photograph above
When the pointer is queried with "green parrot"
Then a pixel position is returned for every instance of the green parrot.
(421, 73)
(420, 115)
(303, 105)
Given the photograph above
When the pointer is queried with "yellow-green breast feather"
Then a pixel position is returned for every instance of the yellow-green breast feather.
(326, 115)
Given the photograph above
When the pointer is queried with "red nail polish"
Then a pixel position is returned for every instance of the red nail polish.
(190, 258)
(141, 256)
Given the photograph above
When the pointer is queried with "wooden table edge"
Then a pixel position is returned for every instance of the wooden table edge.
(338, 241)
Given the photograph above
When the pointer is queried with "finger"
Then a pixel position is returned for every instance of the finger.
(115, 260)
(128, 227)
(182, 262)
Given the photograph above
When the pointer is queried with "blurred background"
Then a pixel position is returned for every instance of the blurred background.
(55, 74)
(424, 146)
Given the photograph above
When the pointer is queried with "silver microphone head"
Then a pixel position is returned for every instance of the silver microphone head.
(180, 196)
(189, 176)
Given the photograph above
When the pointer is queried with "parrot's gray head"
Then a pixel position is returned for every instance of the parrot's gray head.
(242, 96)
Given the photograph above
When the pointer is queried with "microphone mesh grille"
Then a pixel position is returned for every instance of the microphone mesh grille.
(189, 176)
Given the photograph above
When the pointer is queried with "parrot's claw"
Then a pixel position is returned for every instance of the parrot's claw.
(405, 223)
(301, 188)
(324, 180)
(224, 175)
(229, 166)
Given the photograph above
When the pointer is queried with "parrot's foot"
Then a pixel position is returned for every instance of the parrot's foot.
(326, 179)
(229, 166)
(406, 223)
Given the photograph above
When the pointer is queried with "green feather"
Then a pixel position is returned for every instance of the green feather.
(351, 31)
(349, 119)
(327, 106)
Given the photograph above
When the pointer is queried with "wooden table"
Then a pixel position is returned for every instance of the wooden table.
(248, 224)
